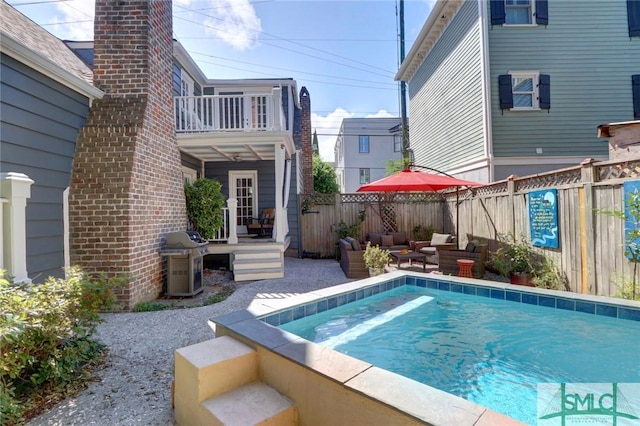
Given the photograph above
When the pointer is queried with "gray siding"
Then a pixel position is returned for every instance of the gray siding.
(38, 129)
(446, 96)
(266, 187)
(191, 162)
(587, 51)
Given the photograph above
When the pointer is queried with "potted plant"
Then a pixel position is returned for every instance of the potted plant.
(515, 260)
(375, 259)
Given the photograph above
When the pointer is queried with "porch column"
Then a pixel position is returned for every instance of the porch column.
(278, 115)
(16, 187)
(278, 226)
(232, 204)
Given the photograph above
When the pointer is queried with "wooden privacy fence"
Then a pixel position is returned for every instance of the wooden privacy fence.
(591, 252)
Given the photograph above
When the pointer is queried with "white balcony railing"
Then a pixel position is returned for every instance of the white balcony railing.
(222, 234)
(230, 113)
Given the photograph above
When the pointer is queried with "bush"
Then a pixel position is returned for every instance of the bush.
(204, 206)
(45, 334)
(150, 306)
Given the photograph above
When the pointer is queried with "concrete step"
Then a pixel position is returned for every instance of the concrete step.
(246, 264)
(208, 369)
(252, 404)
(258, 274)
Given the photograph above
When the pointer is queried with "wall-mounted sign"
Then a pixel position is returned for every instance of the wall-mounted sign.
(631, 193)
(543, 218)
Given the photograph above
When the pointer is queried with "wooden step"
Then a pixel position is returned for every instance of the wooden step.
(252, 404)
(258, 274)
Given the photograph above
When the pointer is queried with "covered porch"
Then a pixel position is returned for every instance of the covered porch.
(245, 142)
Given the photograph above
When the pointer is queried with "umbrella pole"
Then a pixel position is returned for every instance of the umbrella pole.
(457, 218)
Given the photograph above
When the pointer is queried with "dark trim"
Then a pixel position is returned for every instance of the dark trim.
(635, 87)
(506, 91)
(498, 12)
(542, 12)
(544, 91)
(633, 16)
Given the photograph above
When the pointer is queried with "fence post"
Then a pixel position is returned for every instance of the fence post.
(511, 189)
(16, 187)
(587, 237)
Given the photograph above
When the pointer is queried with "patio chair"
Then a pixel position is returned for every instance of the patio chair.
(438, 242)
(448, 259)
(262, 226)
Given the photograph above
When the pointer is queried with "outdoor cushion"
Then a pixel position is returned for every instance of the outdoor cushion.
(437, 239)
(386, 240)
(398, 238)
(355, 244)
(471, 247)
(375, 238)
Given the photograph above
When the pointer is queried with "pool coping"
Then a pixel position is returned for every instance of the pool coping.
(423, 402)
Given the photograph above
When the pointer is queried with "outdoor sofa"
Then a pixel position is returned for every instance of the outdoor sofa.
(389, 240)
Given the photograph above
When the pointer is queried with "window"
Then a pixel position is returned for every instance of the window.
(364, 144)
(397, 143)
(525, 90)
(365, 176)
(519, 12)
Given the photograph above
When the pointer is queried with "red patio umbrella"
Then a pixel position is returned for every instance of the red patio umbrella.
(414, 180)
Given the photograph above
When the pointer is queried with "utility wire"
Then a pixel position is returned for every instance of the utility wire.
(293, 42)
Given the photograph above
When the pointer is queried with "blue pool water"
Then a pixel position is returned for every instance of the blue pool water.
(491, 352)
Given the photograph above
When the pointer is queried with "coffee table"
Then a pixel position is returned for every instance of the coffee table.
(410, 256)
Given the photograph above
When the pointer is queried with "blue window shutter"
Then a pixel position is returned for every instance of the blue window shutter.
(544, 91)
(542, 12)
(498, 12)
(635, 84)
(633, 14)
(506, 94)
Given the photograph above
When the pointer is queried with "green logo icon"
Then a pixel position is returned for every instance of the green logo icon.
(601, 403)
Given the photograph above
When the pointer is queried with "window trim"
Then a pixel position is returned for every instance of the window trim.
(532, 15)
(368, 173)
(535, 101)
(360, 151)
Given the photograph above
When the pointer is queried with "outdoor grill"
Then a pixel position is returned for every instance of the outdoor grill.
(184, 252)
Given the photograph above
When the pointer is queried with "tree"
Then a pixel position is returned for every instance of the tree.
(394, 166)
(324, 176)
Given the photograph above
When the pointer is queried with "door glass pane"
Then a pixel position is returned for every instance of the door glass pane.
(244, 195)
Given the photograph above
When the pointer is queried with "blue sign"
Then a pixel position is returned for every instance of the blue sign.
(631, 190)
(543, 218)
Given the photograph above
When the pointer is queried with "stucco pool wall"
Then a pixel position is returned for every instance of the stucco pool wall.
(331, 388)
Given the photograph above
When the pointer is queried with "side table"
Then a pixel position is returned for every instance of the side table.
(464, 268)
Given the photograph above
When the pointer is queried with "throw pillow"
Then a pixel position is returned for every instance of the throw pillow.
(437, 239)
(399, 238)
(375, 238)
(386, 240)
(471, 247)
(355, 244)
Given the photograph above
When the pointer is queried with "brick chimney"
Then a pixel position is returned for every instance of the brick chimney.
(307, 148)
(126, 188)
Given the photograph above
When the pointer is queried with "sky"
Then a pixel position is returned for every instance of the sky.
(345, 53)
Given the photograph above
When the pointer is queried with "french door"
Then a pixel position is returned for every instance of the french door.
(243, 185)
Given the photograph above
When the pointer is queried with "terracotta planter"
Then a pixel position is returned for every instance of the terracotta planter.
(519, 278)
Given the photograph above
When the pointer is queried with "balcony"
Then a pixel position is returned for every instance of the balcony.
(230, 113)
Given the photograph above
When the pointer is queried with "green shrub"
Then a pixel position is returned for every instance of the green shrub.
(218, 297)
(45, 334)
(204, 206)
(150, 306)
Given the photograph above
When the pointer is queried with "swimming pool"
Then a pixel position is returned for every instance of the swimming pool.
(492, 352)
(292, 363)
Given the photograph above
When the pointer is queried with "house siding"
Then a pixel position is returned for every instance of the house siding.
(38, 130)
(266, 188)
(590, 58)
(351, 160)
(447, 91)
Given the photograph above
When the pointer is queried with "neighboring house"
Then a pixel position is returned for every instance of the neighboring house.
(246, 133)
(363, 148)
(624, 139)
(45, 93)
(507, 87)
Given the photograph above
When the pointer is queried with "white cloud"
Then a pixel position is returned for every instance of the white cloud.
(235, 22)
(73, 12)
(327, 128)
(383, 113)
